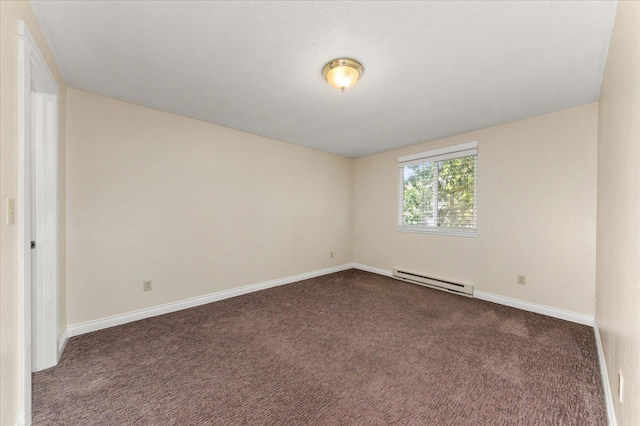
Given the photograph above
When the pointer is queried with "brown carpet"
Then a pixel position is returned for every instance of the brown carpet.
(342, 349)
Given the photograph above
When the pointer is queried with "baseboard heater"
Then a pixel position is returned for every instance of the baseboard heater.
(436, 283)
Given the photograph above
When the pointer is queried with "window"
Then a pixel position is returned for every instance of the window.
(437, 190)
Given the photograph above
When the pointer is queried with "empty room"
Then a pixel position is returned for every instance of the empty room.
(320, 213)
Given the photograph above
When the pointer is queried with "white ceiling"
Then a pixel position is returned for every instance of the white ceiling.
(432, 69)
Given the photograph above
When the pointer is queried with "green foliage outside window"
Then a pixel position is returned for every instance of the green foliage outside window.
(440, 194)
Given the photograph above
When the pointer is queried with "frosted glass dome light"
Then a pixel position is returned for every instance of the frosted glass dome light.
(342, 73)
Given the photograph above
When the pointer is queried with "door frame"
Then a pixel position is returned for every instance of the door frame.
(34, 75)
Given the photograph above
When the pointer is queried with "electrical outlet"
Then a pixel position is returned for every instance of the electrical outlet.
(147, 286)
(331, 254)
(620, 387)
(522, 279)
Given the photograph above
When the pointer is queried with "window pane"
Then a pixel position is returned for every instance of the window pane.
(437, 191)
(455, 193)
(418, 195)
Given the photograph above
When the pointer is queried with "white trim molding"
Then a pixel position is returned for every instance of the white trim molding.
(112, 321)
(62, 342)
(604, 375)
(507, 301)
(24, 221)
(447, 150)
(535, 307)
(102, 323)
(39, 70)
(373, 269)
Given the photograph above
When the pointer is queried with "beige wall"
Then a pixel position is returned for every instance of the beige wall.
(618, 250)
(195, 207)
(10, 13)
(191, 205)
(536, 213)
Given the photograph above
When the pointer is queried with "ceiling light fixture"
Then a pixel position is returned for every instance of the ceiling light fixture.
(342, 73)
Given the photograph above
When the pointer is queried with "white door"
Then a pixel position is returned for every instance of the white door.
(44, 268)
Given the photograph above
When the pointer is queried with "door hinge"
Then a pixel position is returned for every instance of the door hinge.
(33, 244)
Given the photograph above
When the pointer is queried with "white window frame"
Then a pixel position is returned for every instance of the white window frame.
(447, 153)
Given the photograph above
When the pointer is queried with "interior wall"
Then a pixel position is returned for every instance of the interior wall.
(10, 13)
(536, 213)
(618, 234)
(195, 207)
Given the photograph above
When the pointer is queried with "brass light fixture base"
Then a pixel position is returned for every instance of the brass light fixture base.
(346, 72)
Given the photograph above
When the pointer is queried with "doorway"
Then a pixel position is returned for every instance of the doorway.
(37, 215)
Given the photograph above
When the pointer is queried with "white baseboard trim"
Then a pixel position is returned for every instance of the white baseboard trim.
(534, 307)
(604, 374)
(102, 323)
(112, 321)
(373, 269)
(503, 300)
(62, 342)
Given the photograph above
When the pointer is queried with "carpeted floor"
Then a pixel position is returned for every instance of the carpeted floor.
(342, 349)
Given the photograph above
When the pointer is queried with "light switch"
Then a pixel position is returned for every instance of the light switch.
(10, 211)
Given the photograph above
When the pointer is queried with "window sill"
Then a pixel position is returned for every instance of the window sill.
(415, 230)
